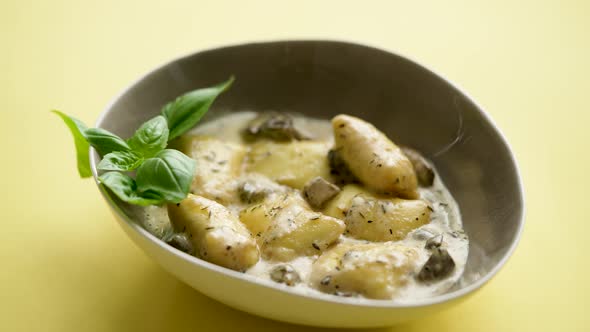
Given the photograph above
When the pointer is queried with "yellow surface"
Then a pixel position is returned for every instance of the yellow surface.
(66, 266)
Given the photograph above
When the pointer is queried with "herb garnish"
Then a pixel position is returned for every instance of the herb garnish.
(161, 175)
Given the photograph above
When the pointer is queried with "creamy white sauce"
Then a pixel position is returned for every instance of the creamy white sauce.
(445, 217)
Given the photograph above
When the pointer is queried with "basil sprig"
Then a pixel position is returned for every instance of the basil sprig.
(169, 174)
(122, 161)
(77, 128)
(161, 175)
(151, 137)
(183, 113)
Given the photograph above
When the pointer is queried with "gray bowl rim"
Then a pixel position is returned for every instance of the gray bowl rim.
(393, 304)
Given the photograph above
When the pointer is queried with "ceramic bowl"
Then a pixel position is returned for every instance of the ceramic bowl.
(410, 103)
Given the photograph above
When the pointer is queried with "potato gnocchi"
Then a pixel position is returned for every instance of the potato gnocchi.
(328, 207)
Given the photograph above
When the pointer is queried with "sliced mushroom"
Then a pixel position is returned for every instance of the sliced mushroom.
(438, 266)
(318, 191)
(273, 125)
(285, 274)
(424, 172)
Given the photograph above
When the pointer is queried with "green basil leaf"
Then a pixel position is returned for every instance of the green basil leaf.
(151, 137)
(77, 128)
(120, 161)
(183, 113)
(125, 188)
(168, 174)
(104, 141)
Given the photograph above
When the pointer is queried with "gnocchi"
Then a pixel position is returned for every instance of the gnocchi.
(341, 215)
(286, 227)
(216, 234)
(372, 218)
(371, 270)
(292, 164)
(373, 158)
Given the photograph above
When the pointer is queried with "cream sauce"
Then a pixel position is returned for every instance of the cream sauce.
(445, 217)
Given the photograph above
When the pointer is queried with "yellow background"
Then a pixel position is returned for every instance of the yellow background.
(66, 266)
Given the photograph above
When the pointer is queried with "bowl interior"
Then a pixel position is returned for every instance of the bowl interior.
(409, 103)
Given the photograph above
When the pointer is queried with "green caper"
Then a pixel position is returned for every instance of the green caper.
(285, 274)
(438, 266)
